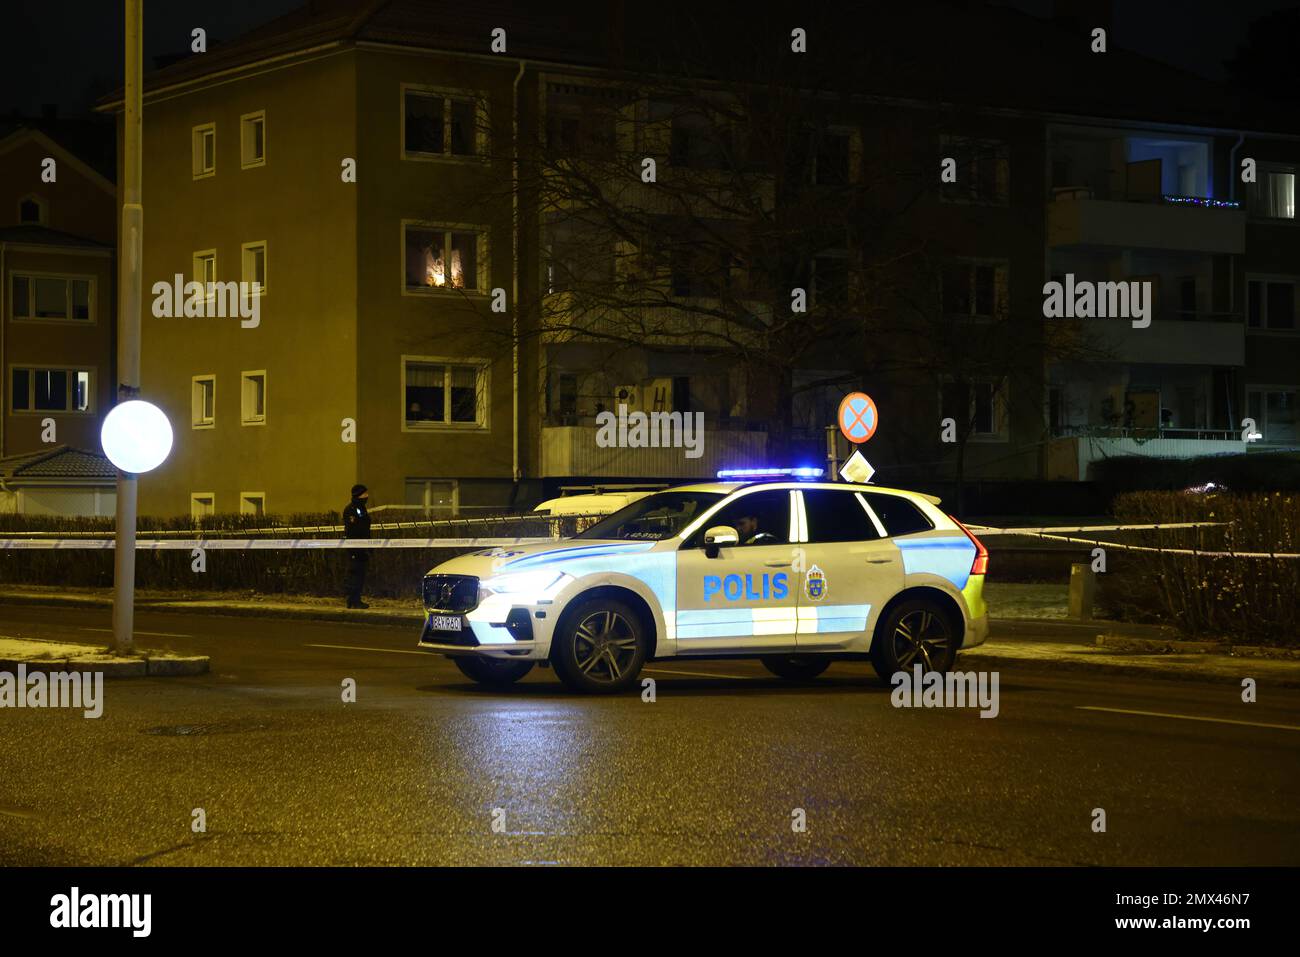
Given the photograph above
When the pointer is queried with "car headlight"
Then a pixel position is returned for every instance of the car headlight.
(543, 583)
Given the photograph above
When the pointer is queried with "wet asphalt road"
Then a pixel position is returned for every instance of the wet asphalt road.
(420, 768)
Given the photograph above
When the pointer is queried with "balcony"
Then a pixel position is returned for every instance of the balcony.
(1175, 339)
(1076, 217)
(1069, 457)
(572, 450)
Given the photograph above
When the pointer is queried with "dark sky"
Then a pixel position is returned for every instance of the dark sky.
(69, 51)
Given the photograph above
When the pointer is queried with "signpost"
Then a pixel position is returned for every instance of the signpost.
(858, 419)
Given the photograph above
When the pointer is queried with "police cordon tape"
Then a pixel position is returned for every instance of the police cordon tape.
(263, 544)
(288, 544)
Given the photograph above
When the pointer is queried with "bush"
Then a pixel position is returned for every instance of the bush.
(1249, 600)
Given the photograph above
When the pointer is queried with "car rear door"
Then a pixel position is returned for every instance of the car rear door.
(850, 569)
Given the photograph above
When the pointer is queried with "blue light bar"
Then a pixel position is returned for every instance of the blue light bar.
(799, 473)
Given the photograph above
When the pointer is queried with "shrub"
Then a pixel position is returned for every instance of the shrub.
(1250, 600)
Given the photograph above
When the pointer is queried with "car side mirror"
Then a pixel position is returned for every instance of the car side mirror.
(717, 536)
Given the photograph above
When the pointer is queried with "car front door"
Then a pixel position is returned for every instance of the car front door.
(739, 598)
(849, 570)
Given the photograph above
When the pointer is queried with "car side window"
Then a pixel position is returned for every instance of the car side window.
(897, 514)
(760, 518)
(837, 516)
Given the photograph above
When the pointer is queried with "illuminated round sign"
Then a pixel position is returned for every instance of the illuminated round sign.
(136, 436)
(858, 418)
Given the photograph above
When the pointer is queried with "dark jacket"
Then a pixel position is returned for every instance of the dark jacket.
(356, 520)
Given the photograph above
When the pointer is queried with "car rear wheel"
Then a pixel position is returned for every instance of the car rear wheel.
(495, 672)
(600, 647)
(795, 667)
(916, 632)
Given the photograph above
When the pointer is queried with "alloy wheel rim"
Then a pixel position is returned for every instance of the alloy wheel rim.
(921, 635)
(604, 646)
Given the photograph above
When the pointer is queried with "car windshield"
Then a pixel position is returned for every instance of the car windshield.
(654, 517)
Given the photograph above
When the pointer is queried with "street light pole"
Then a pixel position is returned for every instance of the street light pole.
(129, 299)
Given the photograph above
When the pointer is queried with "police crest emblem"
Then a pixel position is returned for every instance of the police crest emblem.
(814, 584)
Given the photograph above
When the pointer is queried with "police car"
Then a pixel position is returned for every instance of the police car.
(795, 573)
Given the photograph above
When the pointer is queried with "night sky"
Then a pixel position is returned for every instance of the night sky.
(68, 52)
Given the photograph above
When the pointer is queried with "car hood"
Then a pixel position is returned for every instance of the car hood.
(521, 558)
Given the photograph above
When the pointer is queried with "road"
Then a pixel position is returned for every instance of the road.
(714, 771)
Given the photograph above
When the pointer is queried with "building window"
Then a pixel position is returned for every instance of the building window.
(51, 390)
(436, 498)
(977, 290)
(833, 158)
(31, 210)
(442, 258)
(1271, 304)
(1272, 195)
(252, 139)
(438, 393)
(204, 150)
(1274, 412)
(442, 124)
(983, 170)
(978, 408)
(252, 503)
(203, 401)
(202, 504)
(205, 269)
(252, 402)
(51, 298)
(254, 265)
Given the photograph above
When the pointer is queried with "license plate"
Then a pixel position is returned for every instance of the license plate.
(444, 622)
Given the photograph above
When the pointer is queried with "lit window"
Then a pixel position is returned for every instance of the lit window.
(1273, 194)
(252, 503)
(442, 259)
(202, 504)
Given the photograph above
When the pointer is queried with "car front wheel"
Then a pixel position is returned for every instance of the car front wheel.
(600, 647)
(915, 633)
(494, 672)
(795, 667)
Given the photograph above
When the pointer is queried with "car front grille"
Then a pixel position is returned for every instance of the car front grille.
(455, 593)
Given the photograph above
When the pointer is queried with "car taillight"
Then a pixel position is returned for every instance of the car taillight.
(981, 564)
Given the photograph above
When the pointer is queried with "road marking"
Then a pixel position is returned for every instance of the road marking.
(389, 651)
(151, 634)
(702, 674)
(1191, 717)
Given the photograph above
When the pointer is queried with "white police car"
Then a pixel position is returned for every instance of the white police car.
(796, 574)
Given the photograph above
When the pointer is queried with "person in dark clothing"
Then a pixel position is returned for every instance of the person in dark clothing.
(356, 524)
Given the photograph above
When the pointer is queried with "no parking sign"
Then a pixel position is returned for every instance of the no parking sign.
(858, 417)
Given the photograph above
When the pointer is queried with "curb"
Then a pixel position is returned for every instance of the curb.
(375, 616)
(1166, 671)
(112, 667)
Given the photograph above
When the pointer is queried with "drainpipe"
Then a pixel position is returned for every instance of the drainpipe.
(4, 334)
(514, 276)
(1233, 176)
